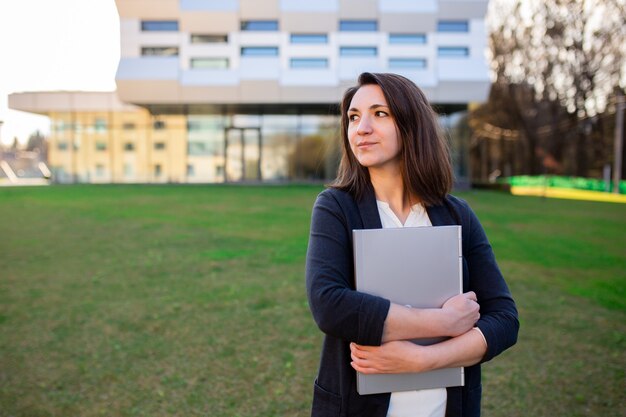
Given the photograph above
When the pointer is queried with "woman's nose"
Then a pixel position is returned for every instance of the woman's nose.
(365, 126)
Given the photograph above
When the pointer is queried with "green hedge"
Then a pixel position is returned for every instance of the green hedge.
(577, 183)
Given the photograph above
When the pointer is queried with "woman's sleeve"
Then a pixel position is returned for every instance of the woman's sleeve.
(498, 314)
(337, 308)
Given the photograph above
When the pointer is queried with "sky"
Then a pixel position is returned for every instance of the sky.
(53, 45)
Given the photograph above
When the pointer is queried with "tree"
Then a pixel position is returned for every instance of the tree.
(37, 143)
(568, 52)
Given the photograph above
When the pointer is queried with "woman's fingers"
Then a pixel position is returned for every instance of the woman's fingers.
(391, 357)
(359, 359)
(471, 295)
(358, 352)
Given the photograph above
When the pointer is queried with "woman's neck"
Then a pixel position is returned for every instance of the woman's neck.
(389, 187)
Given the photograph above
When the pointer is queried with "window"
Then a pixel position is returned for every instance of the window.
(209, 63)
(358, 51)
(159, 26)
(158, 125)
(99, 170)
(308, 38)
(358, 25)
(190, 170)
(196, 148)
(100, 125)
(194, 125)
(59, 126)
(407, 63)
(159, 51)
(453, 51)
(129, 146)
(157, 170)
(62, 146)
(453, 26)
(159, 146)
(198, 38)
(259, 51)
(128, 126)
(128, 170)
(407, 38)
(309, 63)
(101, 146)
(262, 25)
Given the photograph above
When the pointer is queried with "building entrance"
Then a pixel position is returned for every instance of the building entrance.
(242, 154)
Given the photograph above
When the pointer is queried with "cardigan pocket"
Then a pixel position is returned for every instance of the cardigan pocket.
(325, 403)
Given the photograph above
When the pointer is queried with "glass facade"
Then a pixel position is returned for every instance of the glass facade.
(206, 137)
(274, 148)
(456, 129)
(239, 144)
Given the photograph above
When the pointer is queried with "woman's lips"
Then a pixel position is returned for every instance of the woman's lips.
(365, 145)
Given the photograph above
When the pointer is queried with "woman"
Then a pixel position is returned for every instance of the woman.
(395, 172)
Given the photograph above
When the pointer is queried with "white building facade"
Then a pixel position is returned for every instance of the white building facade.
(248, 90)
(293, 51)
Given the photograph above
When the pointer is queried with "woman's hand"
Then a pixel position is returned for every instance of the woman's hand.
(460, 313)
(390, 358)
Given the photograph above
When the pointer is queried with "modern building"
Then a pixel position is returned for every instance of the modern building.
(247, 90)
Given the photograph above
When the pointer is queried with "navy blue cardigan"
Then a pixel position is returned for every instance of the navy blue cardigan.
(346, 315)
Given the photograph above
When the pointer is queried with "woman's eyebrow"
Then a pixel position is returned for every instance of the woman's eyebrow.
(372, 107)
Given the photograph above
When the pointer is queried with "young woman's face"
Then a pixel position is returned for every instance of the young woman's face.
(372, 130)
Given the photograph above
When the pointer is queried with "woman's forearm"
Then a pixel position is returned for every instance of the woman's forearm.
(457, 316)
(411, 323)
(465, 350)
(403, 356)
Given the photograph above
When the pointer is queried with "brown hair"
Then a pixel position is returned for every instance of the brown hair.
(424, 155)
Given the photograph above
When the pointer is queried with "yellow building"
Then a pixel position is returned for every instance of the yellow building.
(96, 138)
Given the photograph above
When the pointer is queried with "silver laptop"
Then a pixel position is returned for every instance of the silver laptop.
(419, 267)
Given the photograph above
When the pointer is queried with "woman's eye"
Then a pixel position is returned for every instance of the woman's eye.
(353, 117)
(381, 113)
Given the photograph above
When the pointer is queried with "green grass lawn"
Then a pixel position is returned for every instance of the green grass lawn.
(190, 301)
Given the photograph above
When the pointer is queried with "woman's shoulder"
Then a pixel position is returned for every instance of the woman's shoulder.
(457, 202)
(460, 209)
(336, 195)
(337, 201)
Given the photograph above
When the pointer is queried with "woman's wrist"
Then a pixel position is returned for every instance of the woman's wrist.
(424, 359)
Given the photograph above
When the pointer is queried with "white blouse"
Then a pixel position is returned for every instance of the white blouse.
(421, 403)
